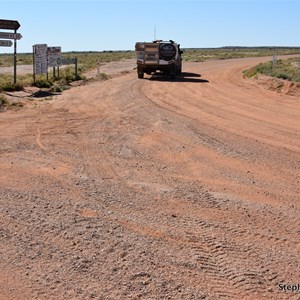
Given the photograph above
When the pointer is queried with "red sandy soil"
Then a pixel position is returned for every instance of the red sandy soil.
(152, 189)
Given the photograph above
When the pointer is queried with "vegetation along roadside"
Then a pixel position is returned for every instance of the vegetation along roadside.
(288, 69)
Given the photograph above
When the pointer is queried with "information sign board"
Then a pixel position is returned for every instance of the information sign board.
(54, 56)
(40, 58)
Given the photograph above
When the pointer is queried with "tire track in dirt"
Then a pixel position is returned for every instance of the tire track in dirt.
(154, 189)
(248, 281)
(38, 140)
(223, 261)
(224, 132)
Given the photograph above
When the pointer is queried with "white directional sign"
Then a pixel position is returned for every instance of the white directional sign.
(10, 36)
(54, 56)
(68, 61)
(5, 43)
(40, 58)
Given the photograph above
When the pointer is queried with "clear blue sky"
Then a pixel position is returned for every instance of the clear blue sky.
(97, 25)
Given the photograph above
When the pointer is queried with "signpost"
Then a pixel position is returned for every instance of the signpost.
(10, 25)
(274, 61)
(44, 57)
(5, 43)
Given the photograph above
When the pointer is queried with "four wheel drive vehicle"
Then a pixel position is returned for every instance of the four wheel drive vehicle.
(158, 56)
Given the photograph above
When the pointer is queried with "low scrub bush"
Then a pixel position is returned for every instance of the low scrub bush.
(285, 69)
(10, 87)
(284, 76)
(3, 100)
(6, 104)
(103, 76)
(43, 83)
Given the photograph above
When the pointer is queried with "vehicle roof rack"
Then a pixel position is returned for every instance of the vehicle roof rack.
(159, 41)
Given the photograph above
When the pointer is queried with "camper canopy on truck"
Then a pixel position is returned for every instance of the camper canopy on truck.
(158, 56)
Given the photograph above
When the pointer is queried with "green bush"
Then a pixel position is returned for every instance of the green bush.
(3, 100)
(103, 76)
(283, 76)
(57, 89)
(42, 84)
(286, 69)
(10, 87)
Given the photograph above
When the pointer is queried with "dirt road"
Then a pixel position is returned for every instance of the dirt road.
(153, 189)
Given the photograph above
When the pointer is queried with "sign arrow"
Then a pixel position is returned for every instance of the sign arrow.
(10, 36)
(5, 43)
(9, 24)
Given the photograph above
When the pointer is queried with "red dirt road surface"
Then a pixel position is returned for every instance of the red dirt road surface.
(153, 189)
